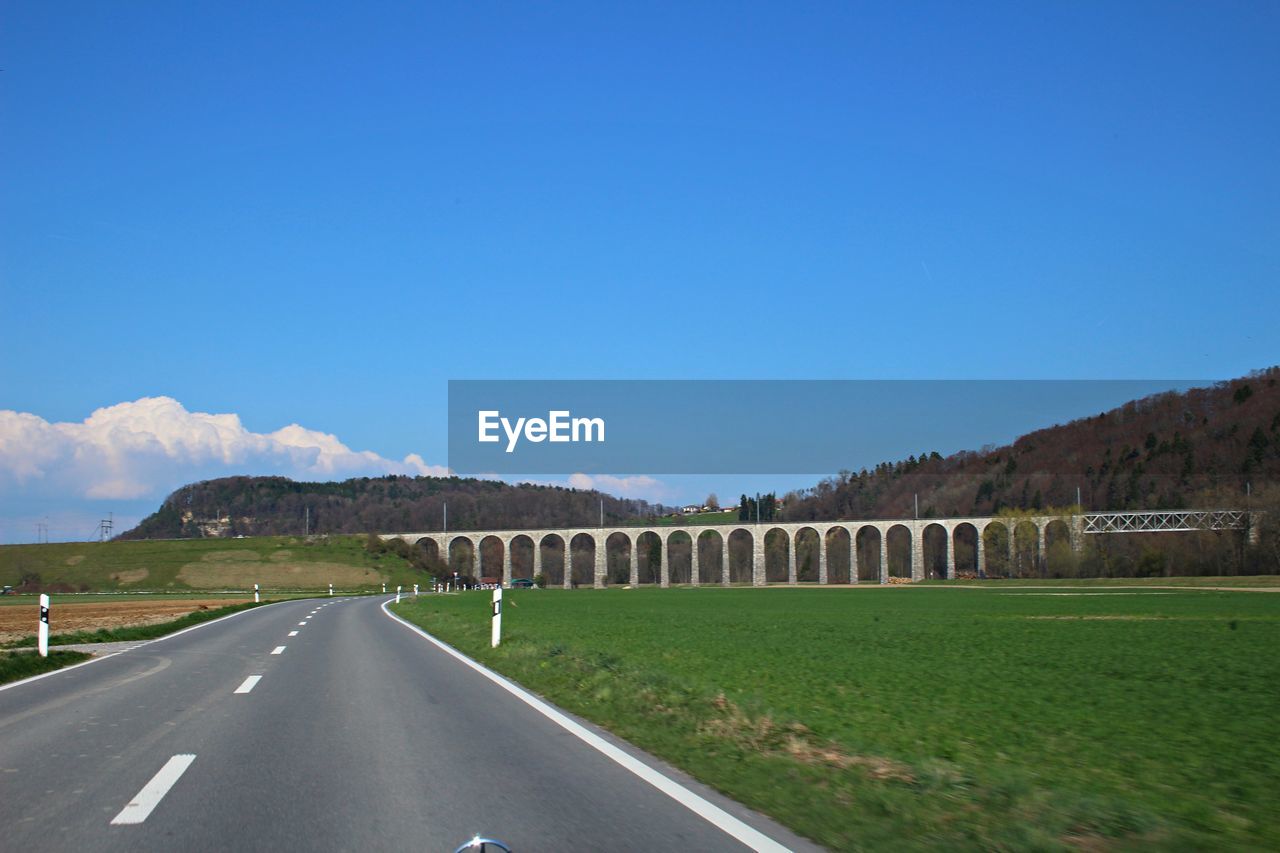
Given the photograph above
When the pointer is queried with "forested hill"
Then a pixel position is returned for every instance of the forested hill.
(261, 506)
(1168, 451)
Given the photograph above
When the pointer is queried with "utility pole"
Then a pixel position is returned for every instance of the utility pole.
(306, 525)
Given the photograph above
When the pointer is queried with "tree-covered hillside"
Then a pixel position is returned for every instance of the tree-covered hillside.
(260, 506)
(1214, 446)
(1169, 451)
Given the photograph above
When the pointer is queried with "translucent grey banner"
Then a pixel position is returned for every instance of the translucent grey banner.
(618, 427)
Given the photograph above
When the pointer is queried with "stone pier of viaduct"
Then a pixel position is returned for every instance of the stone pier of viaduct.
(1018, 530)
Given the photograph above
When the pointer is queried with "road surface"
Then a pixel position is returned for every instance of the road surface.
(322, 724)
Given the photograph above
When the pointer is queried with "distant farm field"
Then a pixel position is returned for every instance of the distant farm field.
(109, 613)
(728, 516)
(274, 562)
(1005, 717)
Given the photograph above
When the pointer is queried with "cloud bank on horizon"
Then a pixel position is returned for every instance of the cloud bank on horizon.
(150, 446)
(140, 451)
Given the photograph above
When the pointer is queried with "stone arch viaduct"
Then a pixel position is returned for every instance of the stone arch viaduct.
(1073, 527)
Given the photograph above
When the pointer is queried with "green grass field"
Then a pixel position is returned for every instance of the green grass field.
(179, 565)
(1202, 581)
(1007, 717)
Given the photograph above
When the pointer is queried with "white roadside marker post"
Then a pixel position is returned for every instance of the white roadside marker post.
(397, 594)
(331, 590)
(256, 599)
(44, 625)
(497, 616)
(415, 590)
(384, 587)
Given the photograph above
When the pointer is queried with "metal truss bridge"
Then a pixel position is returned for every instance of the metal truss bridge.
(1159, 521)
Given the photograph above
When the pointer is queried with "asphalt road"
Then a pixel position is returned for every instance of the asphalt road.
(359, 734)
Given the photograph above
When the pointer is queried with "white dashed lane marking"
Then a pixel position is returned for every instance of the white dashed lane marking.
(153, 792)
(278, 650)
(293, 633)
(249, 684)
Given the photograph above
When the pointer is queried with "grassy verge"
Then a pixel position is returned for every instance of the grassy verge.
(135, 632)
(926, 718)
(16, 667)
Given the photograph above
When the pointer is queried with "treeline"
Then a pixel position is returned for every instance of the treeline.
(1167, 451)
(1214, 446)
(263, 506)
(759, 508)
(1207, 447)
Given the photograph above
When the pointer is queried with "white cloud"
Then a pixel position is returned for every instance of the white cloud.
(641, 487)
(57, 476)
(148, 447)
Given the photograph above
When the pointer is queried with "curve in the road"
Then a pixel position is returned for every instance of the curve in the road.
(360, 736)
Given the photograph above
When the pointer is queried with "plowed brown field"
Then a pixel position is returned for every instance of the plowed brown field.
(17, 622)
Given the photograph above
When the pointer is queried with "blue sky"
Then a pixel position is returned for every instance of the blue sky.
(318, 214)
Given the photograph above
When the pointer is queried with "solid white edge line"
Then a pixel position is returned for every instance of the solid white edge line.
(12, 684)
(153, 792)
(278, 650)
(248, 684)
(713, 814)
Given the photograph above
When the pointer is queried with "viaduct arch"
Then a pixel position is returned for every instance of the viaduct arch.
(1068, 528)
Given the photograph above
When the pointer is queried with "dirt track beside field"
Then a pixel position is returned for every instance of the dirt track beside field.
(17, 622)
